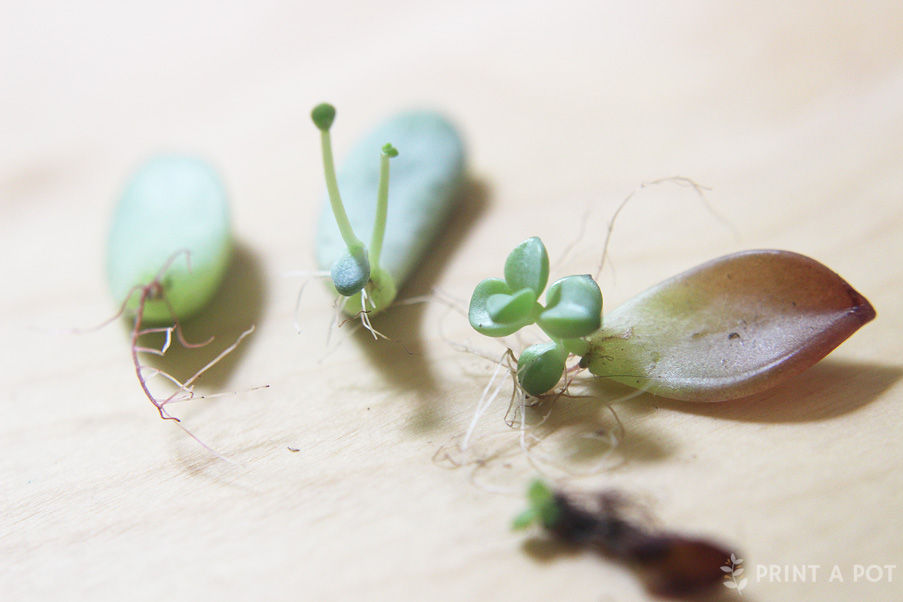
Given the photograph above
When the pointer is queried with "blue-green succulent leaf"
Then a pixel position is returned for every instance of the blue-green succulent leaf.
(173, 203)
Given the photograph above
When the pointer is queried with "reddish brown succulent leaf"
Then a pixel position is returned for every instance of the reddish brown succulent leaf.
(729, 328)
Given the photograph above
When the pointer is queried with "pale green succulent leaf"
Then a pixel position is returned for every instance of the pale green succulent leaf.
(574, 308)
(479, 312)
(527, 266)
(540, 366)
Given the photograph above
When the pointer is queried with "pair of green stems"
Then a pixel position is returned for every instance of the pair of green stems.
(357, 271)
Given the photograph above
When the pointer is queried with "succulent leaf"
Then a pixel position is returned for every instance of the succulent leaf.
(729, 328)
(517, 307)
(496, 293)
(574, 308)
(540, 366)
(527, 266)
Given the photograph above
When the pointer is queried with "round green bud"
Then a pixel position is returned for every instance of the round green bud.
(350, 273)
(540, 366)
(323, 115)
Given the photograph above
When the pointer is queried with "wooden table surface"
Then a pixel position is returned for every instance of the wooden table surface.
(790, 113)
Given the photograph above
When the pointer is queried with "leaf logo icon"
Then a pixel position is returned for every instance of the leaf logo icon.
(732, 572)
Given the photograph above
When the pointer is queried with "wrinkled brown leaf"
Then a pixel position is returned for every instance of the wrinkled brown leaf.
(729, 328)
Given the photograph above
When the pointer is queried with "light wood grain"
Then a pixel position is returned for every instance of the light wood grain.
(793, 116)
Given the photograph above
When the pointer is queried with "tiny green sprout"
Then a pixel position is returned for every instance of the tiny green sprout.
(356, 271)
(573, 310)
(542, 508)
(729, 328)
(425, 181)
(351, 272)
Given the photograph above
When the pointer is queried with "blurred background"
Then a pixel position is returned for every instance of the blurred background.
(791, 116)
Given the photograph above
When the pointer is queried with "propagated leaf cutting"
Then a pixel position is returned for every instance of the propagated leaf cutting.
(169, 247)
(427, 163)
(671, 564)
(728, 328)
(172, 204)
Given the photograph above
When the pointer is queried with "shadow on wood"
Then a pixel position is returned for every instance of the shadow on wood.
(402, 360)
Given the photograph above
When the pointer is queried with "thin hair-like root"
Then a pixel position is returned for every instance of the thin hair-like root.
(359, 320)
(569, 248)
(199, 396)
(339, 320)
(184, 391)
(681, 181)
(128, 297)
(337, 309)
(486, 399)
(365, 315)
(538, 461)
(529, 441)
(362, 319)
(516, 414)
(308, 274)
(296, 313)
(437, 294)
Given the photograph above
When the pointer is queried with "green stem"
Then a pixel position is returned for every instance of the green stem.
(382, 207)
(578, 347)
(355, 246)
